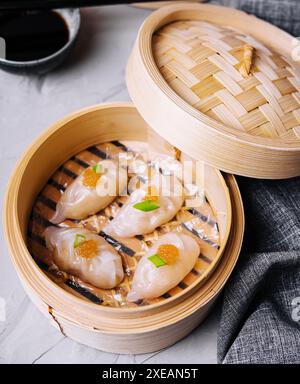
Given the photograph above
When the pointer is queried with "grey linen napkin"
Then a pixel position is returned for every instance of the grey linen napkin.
(260, 318)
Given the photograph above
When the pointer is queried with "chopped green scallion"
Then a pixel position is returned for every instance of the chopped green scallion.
(78, 240)
(97, 168)
(157, 260)
(146, 206)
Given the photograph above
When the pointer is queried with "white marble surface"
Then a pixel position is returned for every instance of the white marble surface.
(93, 73)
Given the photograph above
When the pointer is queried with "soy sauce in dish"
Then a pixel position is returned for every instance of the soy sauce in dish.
(32, 35)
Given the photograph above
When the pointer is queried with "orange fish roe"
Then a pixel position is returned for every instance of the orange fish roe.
(87, 249)
(151, 193)
(168, 252)
(90, 178)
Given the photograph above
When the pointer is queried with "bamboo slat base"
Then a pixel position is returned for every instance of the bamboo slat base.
(199, 223)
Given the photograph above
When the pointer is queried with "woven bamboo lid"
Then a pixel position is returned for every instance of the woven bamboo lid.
(222, 86)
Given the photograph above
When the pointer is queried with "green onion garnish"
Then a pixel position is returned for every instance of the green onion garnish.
(146, 206)
(78, 240)
(97, 168)
(157, 260)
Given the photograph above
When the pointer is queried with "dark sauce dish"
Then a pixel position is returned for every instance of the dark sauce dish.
(38, 41)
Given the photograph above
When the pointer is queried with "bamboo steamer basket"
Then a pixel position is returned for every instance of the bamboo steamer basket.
(157, 330)
(121, 330)
(191, 64)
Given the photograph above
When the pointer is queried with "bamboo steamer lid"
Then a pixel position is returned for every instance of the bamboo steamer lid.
(221, 86)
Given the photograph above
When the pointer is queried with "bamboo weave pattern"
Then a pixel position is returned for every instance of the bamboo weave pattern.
(200, 61)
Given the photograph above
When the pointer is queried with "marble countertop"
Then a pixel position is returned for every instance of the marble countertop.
(92, 74)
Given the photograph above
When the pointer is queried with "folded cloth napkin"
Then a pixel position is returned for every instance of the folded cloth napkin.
(260, 319)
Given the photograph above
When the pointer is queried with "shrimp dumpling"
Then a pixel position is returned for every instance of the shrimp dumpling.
(147, 208)
(85, 255)
(164, 266)
(90, 192)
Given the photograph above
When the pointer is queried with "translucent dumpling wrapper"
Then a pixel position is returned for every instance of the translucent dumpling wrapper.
(91, 192)
(86, 255)
(164, 266)
(149, 206)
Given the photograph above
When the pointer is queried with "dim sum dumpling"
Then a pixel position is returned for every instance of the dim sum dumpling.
(85, 255)
(92, 191)
(164, 266)
(147, 208)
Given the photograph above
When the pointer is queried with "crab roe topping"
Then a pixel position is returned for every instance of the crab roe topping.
(151, 193)
(87, 249)
(90, 178)
(168, 252)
